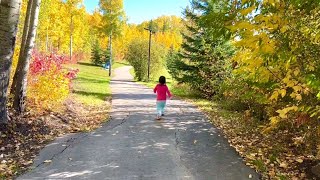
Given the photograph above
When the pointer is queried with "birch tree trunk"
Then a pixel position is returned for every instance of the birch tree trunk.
(110, 59)
(71, 36)
(23, 44)
(24, 60)
(9, 19)
(47, 40)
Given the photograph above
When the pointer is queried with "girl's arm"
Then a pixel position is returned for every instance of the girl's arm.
(169, 93)
(155, 89)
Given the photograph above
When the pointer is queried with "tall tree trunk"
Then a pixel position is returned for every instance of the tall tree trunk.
(51, 46)
(23, 44)
(24, 61)
(47, 41)
(59, 42)
(110, 46)
(71, 37)
(9, 19)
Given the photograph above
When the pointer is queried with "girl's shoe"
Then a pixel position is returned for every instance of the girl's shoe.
(158, 118)
(162, 114)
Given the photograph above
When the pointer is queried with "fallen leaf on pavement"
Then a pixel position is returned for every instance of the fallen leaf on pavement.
(47, 161)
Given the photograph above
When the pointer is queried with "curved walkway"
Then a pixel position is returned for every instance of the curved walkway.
(132, 145)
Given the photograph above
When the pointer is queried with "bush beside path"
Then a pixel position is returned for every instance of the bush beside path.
(85, 109)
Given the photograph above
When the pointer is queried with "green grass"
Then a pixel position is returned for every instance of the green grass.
(260, 165)
(118, 64)
(91, 86)
(132, 72)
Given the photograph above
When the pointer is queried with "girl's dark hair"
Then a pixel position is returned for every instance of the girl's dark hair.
(162, 80)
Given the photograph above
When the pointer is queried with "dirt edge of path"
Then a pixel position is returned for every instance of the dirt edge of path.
(24, 136)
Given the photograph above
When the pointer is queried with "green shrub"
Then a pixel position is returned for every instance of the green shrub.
(96, 54)
(99, 56)
(137, 56)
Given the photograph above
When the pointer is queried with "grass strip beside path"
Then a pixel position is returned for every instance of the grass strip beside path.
(118, 64)
(91, 87)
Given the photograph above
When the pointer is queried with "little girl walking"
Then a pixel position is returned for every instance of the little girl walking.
(162, 91)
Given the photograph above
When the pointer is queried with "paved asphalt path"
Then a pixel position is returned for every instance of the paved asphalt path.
(133, 145)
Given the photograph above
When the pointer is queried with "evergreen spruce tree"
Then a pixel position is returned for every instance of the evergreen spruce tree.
(96, 54)
(105, 56)
(201, 62)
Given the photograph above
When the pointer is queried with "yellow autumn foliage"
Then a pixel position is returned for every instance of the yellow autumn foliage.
(48, 90)
(276, 51)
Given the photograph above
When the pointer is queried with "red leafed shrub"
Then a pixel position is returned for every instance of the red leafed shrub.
(42, 63)
(49, 82)
(72, 73)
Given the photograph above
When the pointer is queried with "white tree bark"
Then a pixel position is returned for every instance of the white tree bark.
(110, 59)
(23, 44)
(71, 36)
(24, 60)
(47, 40)
(9, 19)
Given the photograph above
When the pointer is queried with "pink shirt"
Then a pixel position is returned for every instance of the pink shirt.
(162, 91)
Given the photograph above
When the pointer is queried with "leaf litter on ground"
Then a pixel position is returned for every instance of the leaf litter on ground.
(281, 154)
(24, 136)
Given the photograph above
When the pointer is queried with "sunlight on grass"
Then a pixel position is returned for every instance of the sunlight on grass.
(118, 64)
(131, 72)
(91, 86)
